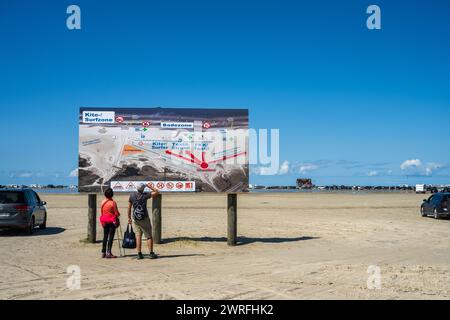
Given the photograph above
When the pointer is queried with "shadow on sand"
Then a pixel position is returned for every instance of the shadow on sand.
(164, 256)
(241, 240)
(49, 231)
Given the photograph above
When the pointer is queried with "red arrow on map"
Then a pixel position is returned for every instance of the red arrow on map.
(202, 163)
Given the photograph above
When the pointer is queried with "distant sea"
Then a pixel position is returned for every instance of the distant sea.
(326, 191)
(57, 191)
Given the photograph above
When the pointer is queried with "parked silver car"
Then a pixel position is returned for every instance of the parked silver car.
(22, 208)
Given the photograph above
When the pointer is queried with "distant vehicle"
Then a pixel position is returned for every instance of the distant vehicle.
(437, 206)
(421, 188)
(22, 208)
(434, 190)
(304, 184)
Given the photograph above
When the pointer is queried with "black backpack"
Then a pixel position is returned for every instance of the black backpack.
(139, 208)
(129, 238)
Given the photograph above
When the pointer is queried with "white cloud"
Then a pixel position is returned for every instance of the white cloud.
(373, 173)
(305, 168)
(20, 174)
(431, 167)
(264, 171)
(284, 168)
(25, 174)
(272, 171)
(74, 173)
(416, 166)
(411, 164)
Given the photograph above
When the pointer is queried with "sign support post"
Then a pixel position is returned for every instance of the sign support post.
(232, 219)
(157, 225)
(92, 218)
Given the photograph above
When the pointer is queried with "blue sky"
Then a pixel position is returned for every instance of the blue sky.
(354, 106)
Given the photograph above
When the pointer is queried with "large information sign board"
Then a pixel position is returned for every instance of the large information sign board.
(177, 150)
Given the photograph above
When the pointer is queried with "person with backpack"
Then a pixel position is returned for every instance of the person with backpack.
(109, 220)
(141, 218)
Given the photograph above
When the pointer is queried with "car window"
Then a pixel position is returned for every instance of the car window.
(445, 201)
(38, 199)
(430, 199)
(7, 197)
(31, 198)
(436, 199)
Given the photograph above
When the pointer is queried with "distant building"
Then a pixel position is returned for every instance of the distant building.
(304, 183)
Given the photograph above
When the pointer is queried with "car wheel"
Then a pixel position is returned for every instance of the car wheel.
(436, 215)
(422, 212)
(44, 224)
(30, 229)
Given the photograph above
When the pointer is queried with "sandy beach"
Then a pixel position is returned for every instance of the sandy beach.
(292, 246)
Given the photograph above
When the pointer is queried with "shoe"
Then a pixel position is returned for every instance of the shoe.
(140, 256)
(153, 255)
(103, 255)
(110, 256)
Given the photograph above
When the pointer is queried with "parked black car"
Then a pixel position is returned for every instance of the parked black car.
(434, 190)
(22, 208)
(437, 206)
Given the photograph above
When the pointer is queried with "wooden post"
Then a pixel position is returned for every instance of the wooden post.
(232, 219)
(157, 225)
(92, 219)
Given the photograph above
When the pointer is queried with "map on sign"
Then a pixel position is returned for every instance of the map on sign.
(176, 150)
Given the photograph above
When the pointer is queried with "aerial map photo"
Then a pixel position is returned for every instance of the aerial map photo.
(177, 150)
